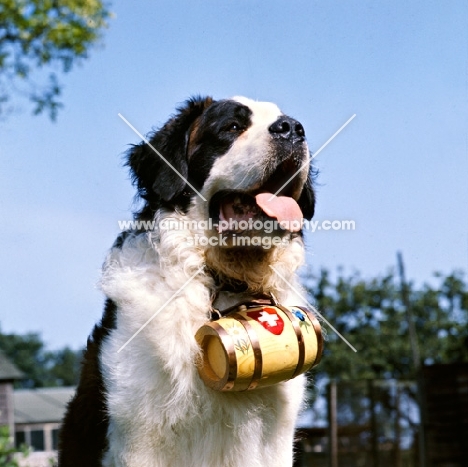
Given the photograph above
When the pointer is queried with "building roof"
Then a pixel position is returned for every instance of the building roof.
(43, 405)
(8, 370)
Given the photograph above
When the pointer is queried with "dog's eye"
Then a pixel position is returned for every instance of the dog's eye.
(233, 127)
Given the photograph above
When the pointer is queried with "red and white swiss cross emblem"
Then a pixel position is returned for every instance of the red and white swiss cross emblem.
(269, 319)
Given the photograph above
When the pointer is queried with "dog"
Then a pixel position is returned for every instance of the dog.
(140, 401)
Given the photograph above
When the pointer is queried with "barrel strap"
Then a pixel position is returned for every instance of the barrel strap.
(257, 351)
(300, 340)
(318, 332)
(227, 382)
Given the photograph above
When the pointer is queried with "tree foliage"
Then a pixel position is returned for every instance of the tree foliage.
(8, 452)
(371, 316)
(42, 368)
(39, 38)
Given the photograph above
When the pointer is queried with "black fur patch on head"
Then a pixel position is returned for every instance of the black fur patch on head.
(156, 180)
(217, 130)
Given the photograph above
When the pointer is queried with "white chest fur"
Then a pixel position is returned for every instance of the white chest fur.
(161, 413)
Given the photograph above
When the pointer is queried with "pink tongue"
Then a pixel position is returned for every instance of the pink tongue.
(283, 208)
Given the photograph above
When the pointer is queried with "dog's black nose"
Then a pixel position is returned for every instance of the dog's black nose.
(287, 128)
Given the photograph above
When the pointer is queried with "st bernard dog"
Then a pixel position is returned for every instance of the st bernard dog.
(140, 401)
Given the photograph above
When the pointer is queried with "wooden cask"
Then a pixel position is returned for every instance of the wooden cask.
(256, 346)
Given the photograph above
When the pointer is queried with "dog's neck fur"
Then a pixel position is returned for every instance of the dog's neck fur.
(241, 269)
(232, 275)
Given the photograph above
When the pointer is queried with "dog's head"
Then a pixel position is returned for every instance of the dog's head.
(241, 163)
(230, 152)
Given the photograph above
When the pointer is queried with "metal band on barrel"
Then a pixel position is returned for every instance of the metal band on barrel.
(300, 340)
(256, 350)
(231, 353)
(318, 333)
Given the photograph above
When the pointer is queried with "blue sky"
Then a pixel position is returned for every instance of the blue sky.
(399, 169)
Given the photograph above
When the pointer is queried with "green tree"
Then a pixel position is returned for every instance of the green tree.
(38, 38)
(43, 368)
(28, 354)
(7, 450)
(370, 314)
(65, 368)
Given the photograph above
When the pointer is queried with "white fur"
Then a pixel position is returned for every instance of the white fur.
(161, 413)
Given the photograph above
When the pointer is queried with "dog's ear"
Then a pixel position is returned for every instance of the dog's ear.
(307, 199)
(155, 178)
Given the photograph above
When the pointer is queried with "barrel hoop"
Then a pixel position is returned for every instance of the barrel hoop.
(318, 333)
(231, 353)
(254, 341)
(300, 340)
